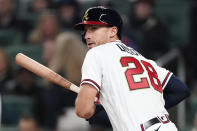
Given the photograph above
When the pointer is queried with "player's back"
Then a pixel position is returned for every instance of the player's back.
(131, 90)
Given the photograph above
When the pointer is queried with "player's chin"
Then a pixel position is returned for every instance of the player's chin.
(90, 46)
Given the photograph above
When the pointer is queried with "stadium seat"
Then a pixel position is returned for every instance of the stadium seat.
(34, 52)
(10, 37)
(13, 107)
(9, 128)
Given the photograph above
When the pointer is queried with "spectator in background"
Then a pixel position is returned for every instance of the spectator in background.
(9, 20)
(105, 3)
(68, 13)
(127, 35)
(68, 57)
(47, 28)
(37, 7)
(28, 123)
(48, 51)
(5, 71)
(67, 61)
(26, 84)
(149, 29)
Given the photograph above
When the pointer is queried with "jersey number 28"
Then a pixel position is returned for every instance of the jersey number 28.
(132, 72)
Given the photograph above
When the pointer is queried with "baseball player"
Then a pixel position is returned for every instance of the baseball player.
(134, 91)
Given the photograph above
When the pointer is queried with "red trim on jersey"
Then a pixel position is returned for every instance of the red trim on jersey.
(89, 80)
(164, 122)
(142, 127)
(165, 79)
(97, 101)
(93, 23)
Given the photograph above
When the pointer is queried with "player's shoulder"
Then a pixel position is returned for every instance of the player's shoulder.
(101, 49)
(110, 47)
(93, 52)
(107, 45)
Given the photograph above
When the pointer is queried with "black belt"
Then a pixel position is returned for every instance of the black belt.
(153, 121)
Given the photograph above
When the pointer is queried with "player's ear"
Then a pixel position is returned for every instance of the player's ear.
(113, 31)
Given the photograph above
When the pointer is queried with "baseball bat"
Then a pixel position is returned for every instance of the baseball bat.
(44, 72)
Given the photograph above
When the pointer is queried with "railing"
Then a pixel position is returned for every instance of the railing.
(181, 73)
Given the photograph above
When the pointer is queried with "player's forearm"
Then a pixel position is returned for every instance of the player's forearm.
(84, 110)
(84, 104)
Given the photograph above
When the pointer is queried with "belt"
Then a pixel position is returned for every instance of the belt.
(162, 119)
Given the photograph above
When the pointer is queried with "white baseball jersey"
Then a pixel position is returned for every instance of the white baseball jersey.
(130, 86)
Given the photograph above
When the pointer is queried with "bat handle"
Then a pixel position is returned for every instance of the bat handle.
(74, 88)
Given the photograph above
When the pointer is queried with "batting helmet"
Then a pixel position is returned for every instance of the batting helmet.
(101, 16)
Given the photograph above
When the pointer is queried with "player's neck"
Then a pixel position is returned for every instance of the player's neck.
(114, 39)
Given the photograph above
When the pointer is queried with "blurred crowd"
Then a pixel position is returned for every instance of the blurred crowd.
(47, 25)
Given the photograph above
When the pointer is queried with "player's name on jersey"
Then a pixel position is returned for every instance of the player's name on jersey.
(128, 49)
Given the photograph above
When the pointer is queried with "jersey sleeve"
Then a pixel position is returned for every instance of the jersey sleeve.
(91, 70)
(163, 74)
